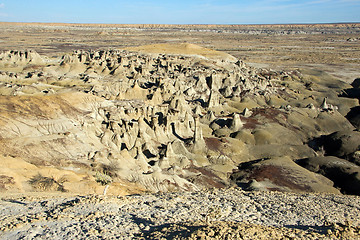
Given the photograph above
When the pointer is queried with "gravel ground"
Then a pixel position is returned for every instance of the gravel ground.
(222, 214)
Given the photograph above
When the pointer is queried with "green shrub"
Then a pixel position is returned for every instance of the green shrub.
(102, 178)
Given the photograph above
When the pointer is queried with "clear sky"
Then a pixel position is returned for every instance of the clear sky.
(181, 12)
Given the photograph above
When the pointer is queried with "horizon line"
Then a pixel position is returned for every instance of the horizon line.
(185, 24)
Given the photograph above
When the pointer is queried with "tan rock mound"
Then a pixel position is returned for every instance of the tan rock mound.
(16, 59)
(186, 49)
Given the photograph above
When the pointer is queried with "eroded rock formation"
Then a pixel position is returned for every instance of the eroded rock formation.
(164, 121)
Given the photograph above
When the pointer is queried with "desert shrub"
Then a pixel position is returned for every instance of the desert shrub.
(102, 178)
(43, 183)
(111, 169)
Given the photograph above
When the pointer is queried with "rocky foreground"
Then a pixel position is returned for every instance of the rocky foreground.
(208, 214)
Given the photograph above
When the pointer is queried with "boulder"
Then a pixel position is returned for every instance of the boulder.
(356, 83)
(344, 174)
(280, 174)
(354, 117)
(351, 93)
(342, 143)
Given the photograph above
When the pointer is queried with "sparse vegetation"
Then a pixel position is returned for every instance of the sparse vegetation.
(103, 178)
(111, 169)
(42, 183)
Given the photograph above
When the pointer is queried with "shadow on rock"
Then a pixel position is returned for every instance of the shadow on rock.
(169, 231)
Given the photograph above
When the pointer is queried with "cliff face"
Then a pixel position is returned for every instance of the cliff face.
(162, 118)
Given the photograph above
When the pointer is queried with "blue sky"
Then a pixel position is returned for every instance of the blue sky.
(181, 12)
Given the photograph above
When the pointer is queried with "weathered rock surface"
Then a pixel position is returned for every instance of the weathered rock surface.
(217, 214)
(160, 118)
(16, 59)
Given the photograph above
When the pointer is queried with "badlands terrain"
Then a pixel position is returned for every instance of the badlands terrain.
(267, 114)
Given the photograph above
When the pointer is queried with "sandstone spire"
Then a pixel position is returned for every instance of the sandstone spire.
(236, 123)
(199, 144)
